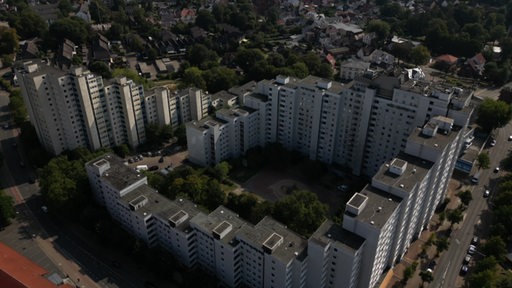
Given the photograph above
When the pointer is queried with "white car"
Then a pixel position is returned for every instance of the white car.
(510, 138)
(497, 169)
(493, 142)
(486, 193)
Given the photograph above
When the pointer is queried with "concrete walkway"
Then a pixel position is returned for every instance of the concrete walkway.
(414, 253)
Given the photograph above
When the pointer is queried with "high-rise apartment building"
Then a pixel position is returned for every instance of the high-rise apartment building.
(379, 224)
(220, 243)
(75, 108)
(358, 125)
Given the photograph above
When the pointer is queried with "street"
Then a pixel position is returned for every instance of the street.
(477, 217)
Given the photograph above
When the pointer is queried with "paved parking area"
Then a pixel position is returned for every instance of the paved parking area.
(174, 160)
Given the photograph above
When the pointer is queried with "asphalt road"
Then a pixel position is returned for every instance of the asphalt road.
(476, 220)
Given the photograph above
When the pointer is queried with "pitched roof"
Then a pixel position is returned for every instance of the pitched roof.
(17, 271)
(447, 58)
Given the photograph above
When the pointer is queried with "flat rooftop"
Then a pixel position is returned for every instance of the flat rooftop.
(118, 175)
(379, 207)
(221, 216)
(177, 207)
(243, 89)
(438, 141)
(272, 235)
(156, 203)
(206, 123)
(336, 87)
(414, 173)
(330, 232)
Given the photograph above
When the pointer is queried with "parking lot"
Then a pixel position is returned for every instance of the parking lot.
(159, 162)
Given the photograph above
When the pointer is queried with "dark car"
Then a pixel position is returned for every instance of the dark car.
(475, 240)
(153, 168)
(464, 270)
(161, 160)
(31, 180)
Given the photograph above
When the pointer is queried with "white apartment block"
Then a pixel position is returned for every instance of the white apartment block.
(75, 108)
(227, 135)
(222, 244)
(359, 125)
(391, 212)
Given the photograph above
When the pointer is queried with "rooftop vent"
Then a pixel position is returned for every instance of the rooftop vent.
(371, 222)
(398, 166)
(379, 209)
(402, 185)
(272, 242)
(356, 204)
(222, 230)
(178, 218)
(282, 79)
(138, 202)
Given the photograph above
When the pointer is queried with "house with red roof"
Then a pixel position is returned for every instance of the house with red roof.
(17, 271)
(446, 62)
(477, 63)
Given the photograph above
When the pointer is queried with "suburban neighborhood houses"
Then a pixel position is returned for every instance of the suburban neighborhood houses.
(255, 143)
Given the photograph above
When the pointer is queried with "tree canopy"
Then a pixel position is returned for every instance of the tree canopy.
(6, 209)
(493, 114)
(301, 211)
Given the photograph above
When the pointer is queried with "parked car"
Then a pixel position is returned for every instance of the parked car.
(153, 168)
(493, 142)
(161, 160)
(342, 188)
(475, 240)
(471, 249)
(497, 169)
(510, 138)
(464, 270)
(486, 193)
(467, 258)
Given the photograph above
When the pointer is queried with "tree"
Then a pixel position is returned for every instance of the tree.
(454, 216)
(205, 20)
(8, 41)
(247, 58)
(243, 204)
(65, 7)
(301, 211)
(6, 209)
(221, 171)
(380, 28)
(200, 56)
(495, 246)
(465, 197)
(193, 77)
(426, 276)
(101, 68)
(220, 78)
(409, 272)
(484, 279)
(493, 114)
(483, 160)
(419, 55)
(442, 244)
(122, 150)
(72, 28)
(28, 24)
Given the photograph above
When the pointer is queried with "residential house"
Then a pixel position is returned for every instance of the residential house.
(477, 64)
(344, 33)
(446, 62)
(352, 68)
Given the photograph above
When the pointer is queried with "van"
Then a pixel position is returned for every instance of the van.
(142, 167)
(476, 178)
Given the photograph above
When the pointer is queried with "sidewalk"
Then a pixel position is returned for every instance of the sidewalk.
(414, 251)
(67, 267)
